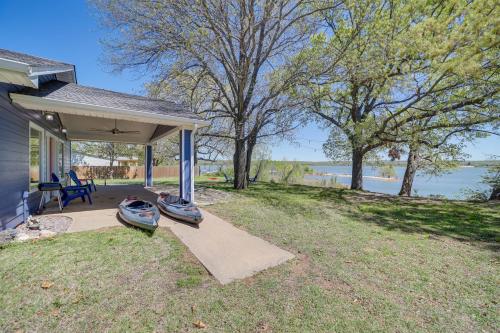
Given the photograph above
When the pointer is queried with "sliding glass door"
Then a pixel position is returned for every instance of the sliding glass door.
(36, 144)
(46, 156)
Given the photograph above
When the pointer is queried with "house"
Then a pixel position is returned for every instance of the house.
(88, 160)
(43, 108)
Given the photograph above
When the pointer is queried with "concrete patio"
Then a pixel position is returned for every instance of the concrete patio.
(227, 252)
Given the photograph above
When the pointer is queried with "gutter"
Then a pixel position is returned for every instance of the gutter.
(85, 109)
(32, 72)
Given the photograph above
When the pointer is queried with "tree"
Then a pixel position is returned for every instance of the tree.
(492, 179)
(107, 150)
(434, 152)
(188, 91)
(387, 171)
(165, 151)
(233, 46)
(379, 67)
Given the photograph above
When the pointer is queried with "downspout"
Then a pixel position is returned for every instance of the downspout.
(25, 206)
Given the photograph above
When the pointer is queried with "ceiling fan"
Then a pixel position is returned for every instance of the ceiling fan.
(114, 131)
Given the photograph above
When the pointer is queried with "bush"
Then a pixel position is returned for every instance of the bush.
(476, 195)
(289, 172)
(263, 168)
(492, 179)
(387, 171)
(308, 170)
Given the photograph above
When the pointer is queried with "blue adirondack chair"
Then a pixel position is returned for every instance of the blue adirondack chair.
(89, 182)
(70, 193)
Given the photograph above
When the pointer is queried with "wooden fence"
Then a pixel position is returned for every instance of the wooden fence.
(127, 172)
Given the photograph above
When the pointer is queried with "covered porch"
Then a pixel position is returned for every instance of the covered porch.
(92, 114)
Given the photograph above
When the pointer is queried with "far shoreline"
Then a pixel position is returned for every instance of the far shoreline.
(386, 179)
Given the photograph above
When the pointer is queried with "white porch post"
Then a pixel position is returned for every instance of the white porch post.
(186, 182)
(148, 165)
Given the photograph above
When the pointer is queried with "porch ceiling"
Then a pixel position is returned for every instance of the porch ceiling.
(85, 128)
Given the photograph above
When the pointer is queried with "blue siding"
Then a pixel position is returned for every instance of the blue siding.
(14, 154)
(186, 165)
(148, 164)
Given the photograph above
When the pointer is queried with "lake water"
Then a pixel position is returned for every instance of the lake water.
(450, 185)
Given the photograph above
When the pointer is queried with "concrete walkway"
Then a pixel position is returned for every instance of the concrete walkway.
(227, 252)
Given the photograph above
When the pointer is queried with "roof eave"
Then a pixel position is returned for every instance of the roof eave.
(33, 72)
(54, 105)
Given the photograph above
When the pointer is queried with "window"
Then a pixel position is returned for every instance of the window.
(35, 149)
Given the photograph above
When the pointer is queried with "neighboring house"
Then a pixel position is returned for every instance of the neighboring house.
(125, 161)
(42, 108)
(88, 160)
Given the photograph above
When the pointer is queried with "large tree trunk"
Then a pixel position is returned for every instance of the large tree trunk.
(411, 170)
(250, 146)
(239, 164)
(495, 194)
(357, 169)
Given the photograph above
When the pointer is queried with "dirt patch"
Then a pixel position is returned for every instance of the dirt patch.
(302, 265)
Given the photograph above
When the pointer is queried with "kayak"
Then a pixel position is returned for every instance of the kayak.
(179, 209)
(139, 213)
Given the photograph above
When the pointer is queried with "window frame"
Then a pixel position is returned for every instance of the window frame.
(60, 144)
(58, 141)
(41, 154)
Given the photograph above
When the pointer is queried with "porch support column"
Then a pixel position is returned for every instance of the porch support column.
(148, 165)
(186, 182)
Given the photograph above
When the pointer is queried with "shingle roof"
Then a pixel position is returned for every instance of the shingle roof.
(31, 60)
(71, 92)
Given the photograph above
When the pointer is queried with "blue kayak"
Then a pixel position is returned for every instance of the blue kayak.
(139, 213)
(179, 209)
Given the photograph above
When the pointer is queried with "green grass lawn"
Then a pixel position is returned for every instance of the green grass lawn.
(365, 263)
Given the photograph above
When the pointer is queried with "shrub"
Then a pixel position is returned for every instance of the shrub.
(289, 172)
(387, 171)
(308, 170)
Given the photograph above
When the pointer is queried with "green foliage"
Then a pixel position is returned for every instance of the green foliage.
(492, 179)
(107, 150)
(387, 171)
(375, 88)
(328, 182)
(476, 195)
(165, 150)
(263, 168)
(308, 170)
(223, 56)
(288, 172)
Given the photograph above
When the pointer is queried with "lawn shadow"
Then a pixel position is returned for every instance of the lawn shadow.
(463, 221)
(149, 233)
(263, 191)
(460, 220)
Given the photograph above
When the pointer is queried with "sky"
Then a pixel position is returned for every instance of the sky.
(69, 31)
